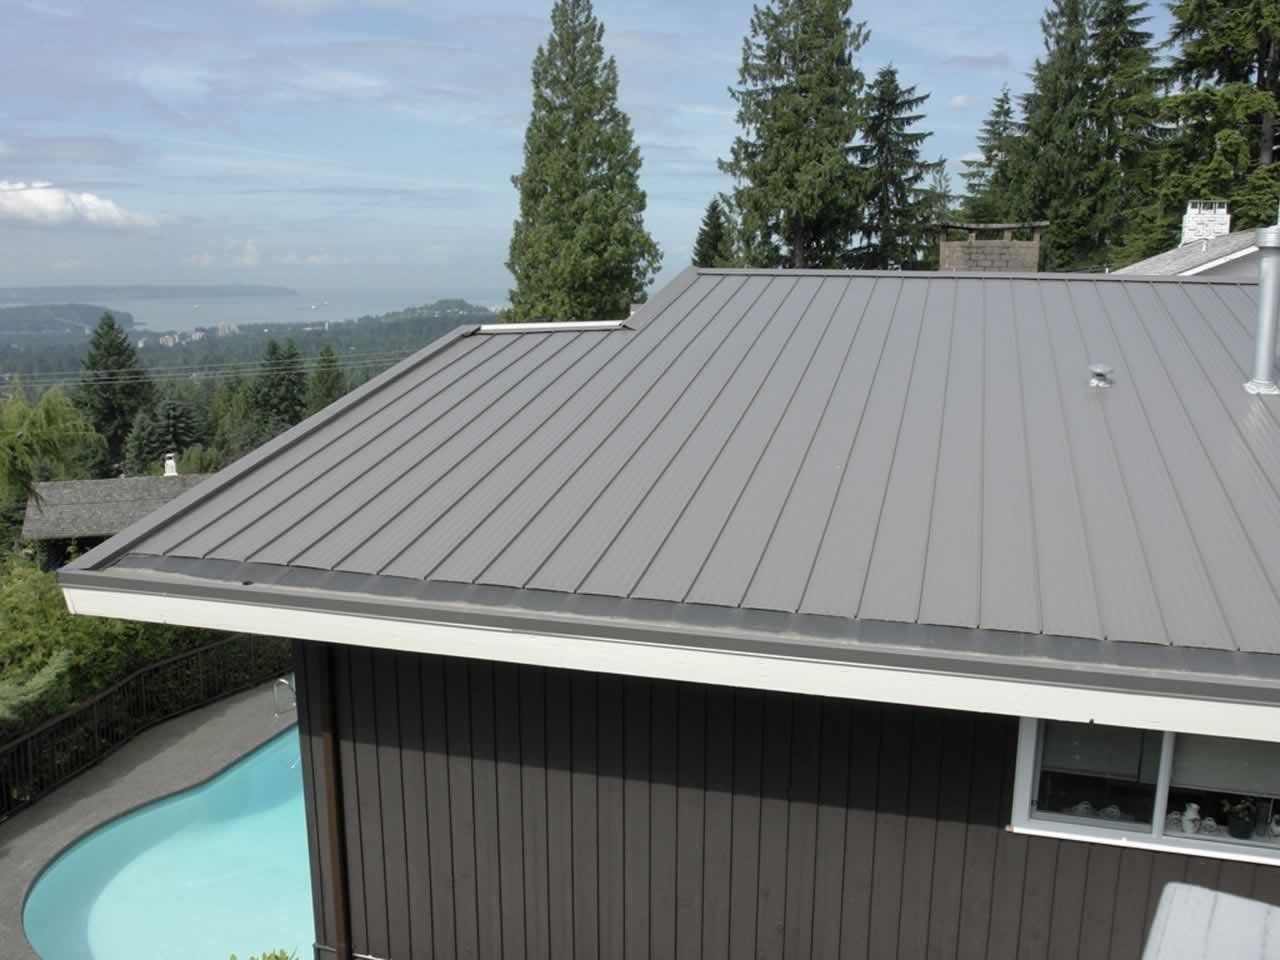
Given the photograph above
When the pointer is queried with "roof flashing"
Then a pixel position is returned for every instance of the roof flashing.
(553, 326)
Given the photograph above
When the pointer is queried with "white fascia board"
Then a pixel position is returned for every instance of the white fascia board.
(670, 661)
(1219, 262)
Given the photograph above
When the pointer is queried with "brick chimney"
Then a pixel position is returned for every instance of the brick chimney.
(1204, 220)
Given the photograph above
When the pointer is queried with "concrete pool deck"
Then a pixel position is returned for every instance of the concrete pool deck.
(174, 756)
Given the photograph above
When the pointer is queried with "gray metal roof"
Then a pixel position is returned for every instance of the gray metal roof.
(1189, 256)
(68, 509)
(1195, 923)
(833, 449)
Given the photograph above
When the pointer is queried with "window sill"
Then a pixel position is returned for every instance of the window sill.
(1113, 837)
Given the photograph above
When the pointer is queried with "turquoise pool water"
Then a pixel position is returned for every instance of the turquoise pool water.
(219, 869)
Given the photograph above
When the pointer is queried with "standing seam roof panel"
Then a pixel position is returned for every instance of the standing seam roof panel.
(1068, 597)
(951, 590)
(1192, 611)
(448, 366)
(840, 571)
(373, 456)
(895, 575)
(1010, 565)
(583, 512)
(563, 443)
(1247, 597)
(780, 579)
(1128, 605)
(434, 461)
(727, 572)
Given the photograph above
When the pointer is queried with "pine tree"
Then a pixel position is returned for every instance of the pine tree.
(1225, 43)
(798, 192)
(171, 428)
(896, 220)
(279, 394)
(114, 388)
(579, 250)
(714, 246)
(936, 209)
(988, 191)
(327, 383)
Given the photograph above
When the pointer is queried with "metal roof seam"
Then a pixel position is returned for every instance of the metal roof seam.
(1098, 609)
(897, 439)
(415, 464)
(933, 495)
(747, 406)
(835, 494)
(1036, 564)
(321, 474)
(817, 425)
(538, 567)
(817, 345)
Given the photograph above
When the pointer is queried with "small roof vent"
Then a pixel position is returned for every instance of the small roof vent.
(170, 465)
(1100, 375)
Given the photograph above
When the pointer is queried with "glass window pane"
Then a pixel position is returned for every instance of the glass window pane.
(1096, 773)
(1224, 789)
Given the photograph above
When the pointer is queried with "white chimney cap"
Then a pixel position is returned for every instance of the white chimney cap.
(170, 465)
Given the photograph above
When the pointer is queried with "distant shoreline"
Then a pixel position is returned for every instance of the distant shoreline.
(36, 296)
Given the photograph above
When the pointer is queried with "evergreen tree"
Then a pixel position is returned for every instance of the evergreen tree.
(798, 192)
(278, 397)
(936, 209)
(989, 193)
(896, 220)
(714, 246)
(48, 439)
(579, 250)
(171, 428)
(114, 387)
(327, 383)
(1226, 44)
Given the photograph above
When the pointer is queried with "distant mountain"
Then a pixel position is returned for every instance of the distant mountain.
(56, 321)
(83, 294)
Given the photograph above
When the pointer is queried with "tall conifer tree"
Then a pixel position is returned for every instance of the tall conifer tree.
(798, 191)
(327, 382)
(114, 388)
(898, 207)
(989, 193)
(714, 245)
(579, 250)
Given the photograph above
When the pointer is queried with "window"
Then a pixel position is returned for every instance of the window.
(1213, 796)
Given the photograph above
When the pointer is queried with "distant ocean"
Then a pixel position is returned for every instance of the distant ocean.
(307, 306)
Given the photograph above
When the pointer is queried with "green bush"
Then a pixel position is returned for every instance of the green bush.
(273, 955)
(51, 660)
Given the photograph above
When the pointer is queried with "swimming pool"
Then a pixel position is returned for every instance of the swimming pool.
(218, 869)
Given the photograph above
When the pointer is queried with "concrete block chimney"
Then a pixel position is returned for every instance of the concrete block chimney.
(1204, 220)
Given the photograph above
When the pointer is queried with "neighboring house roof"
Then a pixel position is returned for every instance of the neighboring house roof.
(1192, 258)
(909, 467)
(68, 509)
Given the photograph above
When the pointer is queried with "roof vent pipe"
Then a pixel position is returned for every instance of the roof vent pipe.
(1264, 356)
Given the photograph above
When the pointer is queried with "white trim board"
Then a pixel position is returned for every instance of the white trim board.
(606, 654)
(1220, 261)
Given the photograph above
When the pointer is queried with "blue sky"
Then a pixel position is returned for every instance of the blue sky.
(370, 143)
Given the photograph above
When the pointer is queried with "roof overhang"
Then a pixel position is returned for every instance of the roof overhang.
(1221, 261)
(1133, 685)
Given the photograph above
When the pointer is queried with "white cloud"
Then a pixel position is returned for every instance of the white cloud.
(311, 260)
(42, 203)
(320, 80)
(960, 101)
(971, 157)
(246, 254)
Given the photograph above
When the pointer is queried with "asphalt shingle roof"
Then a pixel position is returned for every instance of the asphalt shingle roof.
(67, 509)
(1198, 253)
(829, 447)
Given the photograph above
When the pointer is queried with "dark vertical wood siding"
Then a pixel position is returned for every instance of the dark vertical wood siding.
(496, 811)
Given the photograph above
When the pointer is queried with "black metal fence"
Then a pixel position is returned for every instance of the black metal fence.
(57, 750)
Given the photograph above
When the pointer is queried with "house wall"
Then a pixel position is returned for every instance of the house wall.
(1242, 268)
(495, 810)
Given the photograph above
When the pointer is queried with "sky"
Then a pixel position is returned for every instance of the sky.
(363, 144)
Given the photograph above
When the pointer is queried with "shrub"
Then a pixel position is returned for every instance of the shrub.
(273, 955)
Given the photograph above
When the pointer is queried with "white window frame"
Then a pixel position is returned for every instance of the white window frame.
(1024, 820)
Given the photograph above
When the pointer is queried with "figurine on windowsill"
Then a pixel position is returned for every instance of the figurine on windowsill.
(1241, 813)
(1191, 818)
(1273, 828)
